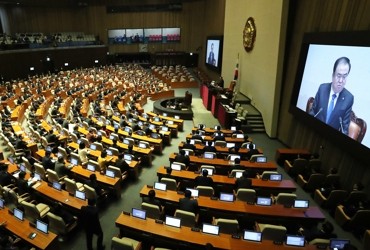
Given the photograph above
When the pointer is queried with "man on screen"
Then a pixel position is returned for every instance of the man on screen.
(211, 57)
(333, 103)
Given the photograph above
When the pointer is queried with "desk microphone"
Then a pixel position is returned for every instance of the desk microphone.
(341, 124)
(318, 112)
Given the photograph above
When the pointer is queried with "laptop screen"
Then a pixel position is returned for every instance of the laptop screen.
(127, 157)
(173, 221)
(142, 145)
(57, 186)
(1, 203)
(116, 126)
(177, 117)
(226, 197)
(176, 166)
(160, 186)
(11, 160)
(22, 167)
(164, 114)
(192, 141)
(74, 161)
(93, 147)
(109, 152)
(127, 129)
(338, 243)
(194, 192)
(233, 128)
(157, 119)
(210, 229)
(292, 240)
(240, 136)
(301, 204)
(151, 126)
(275, 177)
(263, 201)
(109, 173)
(41, 226)
(209, 170)
(37, 177)
(80, 195)
(252, 236)
(209, 155)
(230, 144)
(261, 159)
(139, 213)
(238, 174)
(18, 214)
(90, 167)
(170, 122)
(164, 128)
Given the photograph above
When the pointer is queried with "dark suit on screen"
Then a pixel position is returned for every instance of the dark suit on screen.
(341, 114)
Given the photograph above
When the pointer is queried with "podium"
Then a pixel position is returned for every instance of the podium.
(225, 116)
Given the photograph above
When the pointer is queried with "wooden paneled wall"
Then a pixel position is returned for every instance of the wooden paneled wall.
(317, 16)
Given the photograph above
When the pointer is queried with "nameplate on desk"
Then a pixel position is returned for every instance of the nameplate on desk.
(149, 186)
(235, 236)
(159, 221)
(180, 192)
(214, 198)
(126, 213)
(36, 185)
(195, 229)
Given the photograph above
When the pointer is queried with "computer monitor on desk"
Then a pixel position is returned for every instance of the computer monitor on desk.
(294, 240)
(42, 227)
(138, 213)
(252, 236)
(210, 229)
(173, 221)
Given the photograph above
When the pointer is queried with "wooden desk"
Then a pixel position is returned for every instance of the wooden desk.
(223, 166)
(112, 183)
(180, 122)
(23, 229)
(61, 196)
(233, 209)
(220, 150)
(271, 187)
(283, 154)
(148, 231)
(211, 131)
(237, 141)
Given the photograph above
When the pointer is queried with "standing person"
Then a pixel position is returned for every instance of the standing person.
(91, 223)
(333, 102)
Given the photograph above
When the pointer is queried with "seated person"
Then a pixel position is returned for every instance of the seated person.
(324, 232)
(152, 200)
(204, 179)
(181, 157)
(168, 173)
(122, 164)
(47, 161)
(237, 165)
(103, 161)
(187, 203)
(82, 153)
(22, 184)
(51, 137)
(91, 136)
(209, 147)
(60, 167)
(5, 177)
(218, 136)
(252, 151)
(58, 209)
(197, 136)
(188, 145)
(243, 181)
(92, 182)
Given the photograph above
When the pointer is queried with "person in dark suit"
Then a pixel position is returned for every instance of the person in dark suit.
(204, 179)
(252, 151)
(181, 157)
(47, 162)
(122, 164)
(152, 200)
(188, 145)
(333, 102)
(92, 182)
(188, 204)
(237, 165)
(197, 136)
(5, 177)
(50, 137)
(22, 184)
(91, 223)
(243, 181)
(209, 147)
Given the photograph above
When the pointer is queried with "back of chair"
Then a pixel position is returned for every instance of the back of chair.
(254, 157)
(27, 164)
(246, 194)
(360, 221)
(56, 224)
(30, 211)
(171, 183)
(125, 244)
(205, 191)
(286, 199)
(52, 176)
(152, 211)
(315, 181)
(266, 174)
(335, 198)
(273, 232)
(188, 219)
(39, 169)
(190, 151)
(117, 171)
(70, 186)
(90, 192)
(220, 144)
(63, 152)
(356, 196)
(227, 226)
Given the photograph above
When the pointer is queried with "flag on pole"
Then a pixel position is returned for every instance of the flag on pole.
(236, 72)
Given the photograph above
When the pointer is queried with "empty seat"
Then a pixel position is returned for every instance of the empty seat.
(205, 191)
(246, 194)
(272, 232)
(227, 226)
(152, 211)
(125, 243)
(188, 219)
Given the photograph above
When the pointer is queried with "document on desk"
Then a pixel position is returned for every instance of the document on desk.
(36, 185)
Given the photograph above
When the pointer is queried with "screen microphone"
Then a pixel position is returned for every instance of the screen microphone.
(341, 124)
(318, 112)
